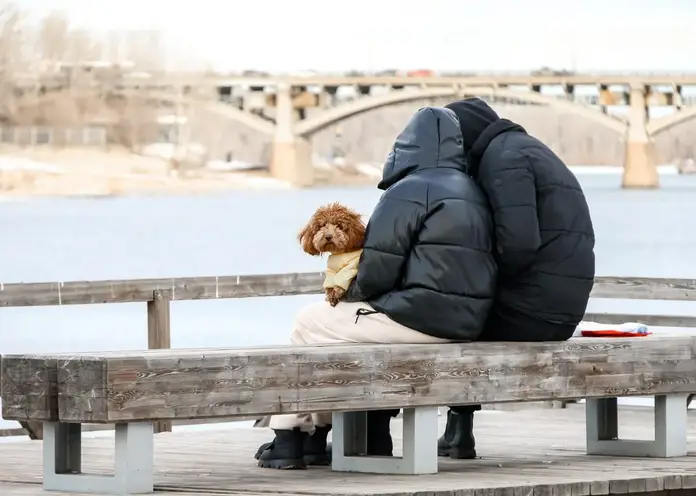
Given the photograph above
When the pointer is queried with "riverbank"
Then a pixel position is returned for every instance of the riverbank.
(51, 173)
(94, 173)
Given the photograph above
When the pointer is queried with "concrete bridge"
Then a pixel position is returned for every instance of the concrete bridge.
(279, 107)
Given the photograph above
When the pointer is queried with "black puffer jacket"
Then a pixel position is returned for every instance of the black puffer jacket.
(428, 259)
(544, 233)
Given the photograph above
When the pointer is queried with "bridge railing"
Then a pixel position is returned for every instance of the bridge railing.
(158, 293)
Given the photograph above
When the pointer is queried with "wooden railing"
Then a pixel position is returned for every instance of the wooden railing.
(158, 293)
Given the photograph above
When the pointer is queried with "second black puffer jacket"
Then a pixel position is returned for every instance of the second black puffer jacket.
(544, 233)
(428, 259)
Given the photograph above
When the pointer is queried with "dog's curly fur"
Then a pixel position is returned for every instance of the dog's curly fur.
(335, 229)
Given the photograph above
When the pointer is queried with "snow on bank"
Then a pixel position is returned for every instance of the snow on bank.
(10, 163)
(25, 177)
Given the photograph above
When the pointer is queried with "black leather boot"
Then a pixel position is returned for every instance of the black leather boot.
(261, 449)
(443, 444)
(458, 440)
(285, 452)
(315, 451)
(379, 440)
(315, 447)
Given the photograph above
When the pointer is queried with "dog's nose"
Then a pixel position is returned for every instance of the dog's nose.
(328, 237)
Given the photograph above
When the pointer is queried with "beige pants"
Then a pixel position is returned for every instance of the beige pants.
(320, 323)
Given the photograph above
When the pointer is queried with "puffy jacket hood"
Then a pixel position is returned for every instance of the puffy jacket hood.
(474, 116)
(432, 138)
(479, 125)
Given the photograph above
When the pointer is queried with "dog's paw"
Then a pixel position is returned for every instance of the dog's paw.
(339, 293)
(332, 296)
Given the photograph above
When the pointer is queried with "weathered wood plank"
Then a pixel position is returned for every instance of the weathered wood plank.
(30, 391)
(141, 290)
(222, 383)
(36, 392)
(28, 388)
(158, 321)
(244, 286)
(33, 429)
(159, 335)
(33, 393)
(643, 288)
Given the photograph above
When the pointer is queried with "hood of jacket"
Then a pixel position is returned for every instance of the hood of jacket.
(432, 138)
(479, 125)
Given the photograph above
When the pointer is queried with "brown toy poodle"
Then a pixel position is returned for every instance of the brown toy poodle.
(339, 231)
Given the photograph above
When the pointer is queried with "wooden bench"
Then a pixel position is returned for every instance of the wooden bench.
(133, 389)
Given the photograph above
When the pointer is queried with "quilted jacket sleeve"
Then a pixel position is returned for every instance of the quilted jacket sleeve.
(511, 191)
(391, 231)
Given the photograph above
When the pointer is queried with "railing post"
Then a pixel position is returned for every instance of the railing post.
(159, 335)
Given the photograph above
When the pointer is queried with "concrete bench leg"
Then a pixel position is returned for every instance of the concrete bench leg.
(349, 442)
(670, 429)
(133, 471)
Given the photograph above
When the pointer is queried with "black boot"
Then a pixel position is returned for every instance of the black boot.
(458, 440)
(315, 447)
(315, 451)
(261, 449)
(285, 452)
(443, 444)
(379, 440)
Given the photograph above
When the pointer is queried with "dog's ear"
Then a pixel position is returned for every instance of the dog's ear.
(306, 239)
(356, 231)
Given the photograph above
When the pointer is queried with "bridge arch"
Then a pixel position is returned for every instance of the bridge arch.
(662, 124)
(308, 127)
(224, 110)
(231, 113)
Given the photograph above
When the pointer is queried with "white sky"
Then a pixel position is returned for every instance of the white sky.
(332, 35)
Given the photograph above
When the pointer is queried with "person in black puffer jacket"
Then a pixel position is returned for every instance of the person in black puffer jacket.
(544, 242)
(427, 274)
(428, 249)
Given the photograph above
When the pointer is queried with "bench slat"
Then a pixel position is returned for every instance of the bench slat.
(223, 383)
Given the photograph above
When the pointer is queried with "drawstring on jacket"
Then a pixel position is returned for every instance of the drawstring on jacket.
(363, 311)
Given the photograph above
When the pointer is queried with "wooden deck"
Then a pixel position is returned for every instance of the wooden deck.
(528, 452)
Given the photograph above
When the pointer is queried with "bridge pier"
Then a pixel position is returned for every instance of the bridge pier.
(640, 164)
(291, 155)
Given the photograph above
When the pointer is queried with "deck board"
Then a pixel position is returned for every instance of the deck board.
(523, 452)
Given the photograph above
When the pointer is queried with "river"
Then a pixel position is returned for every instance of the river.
(639, 233)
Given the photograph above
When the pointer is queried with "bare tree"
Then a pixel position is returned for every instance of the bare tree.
(136, 120)
(83, 47)
(114, 47)
(144, 49)
(54, 39)
(77, 77)
(10, 58)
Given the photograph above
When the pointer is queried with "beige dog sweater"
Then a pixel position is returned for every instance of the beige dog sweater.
(342, 269)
